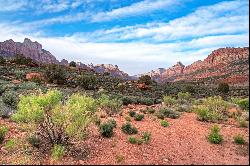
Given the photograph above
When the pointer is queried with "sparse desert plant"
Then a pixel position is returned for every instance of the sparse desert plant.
(10, 144)
(215, 137)
(3, 132)
(5, 111)
(34, 140)
(242, 122)
(223, 88)
(127, 128)
(166, 112)
(169, 101)
(132, 113)
(238, 139)
(56, 74)
(10, 98)
(127, 118)
(132, 140)
(119, 158)
(184, 96)
(65, 120)
(110, 106)
(164, 123)
(242, 103)
(106, 129)
(87, 81)
(146, 136)
(139, 117)
(112, 122)
(57, 151)
(145, 79)
(22, 60)
(151, 110)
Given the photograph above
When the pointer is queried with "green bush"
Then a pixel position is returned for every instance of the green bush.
(151, 110)
(5, 111)
(242, 122)
(215, 137)
(132, 140)
(2, 60)
(126, 100)
(68, 119)
(10, 144)
(87, 81)
(146, 137)
(127, 128)
(146, 101)
(184, 96)
(112, 122)
(57, 151)
(164, 123)
(243, 103)
(132, 113)
(106, 129)
(10, 98)
(166, 112)
(223, 88)
(56, 74)
(238, 139)
(169, 101)
(110, 106)
(22, 60)
(3, 132)
(34, 141)
(139, 117)
(145, 79)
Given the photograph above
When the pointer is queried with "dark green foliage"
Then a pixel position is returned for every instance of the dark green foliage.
(34, 141)
(22, 60)
(132, 140)
(164, 123)
(139, 117)
(223, 88)
(215, 137)
(72, 64)
(145, 79)
(2, 60)
(238, 139)
(132, 113)
(112, 122)
(3, 132)
(151, 110)
(127, 128)
(106, 129)
(166, 112)
(146, 101)
(189, 89)
(244, 104)
(56, 74)
(10, 98)
(146, 137)
(87, 81)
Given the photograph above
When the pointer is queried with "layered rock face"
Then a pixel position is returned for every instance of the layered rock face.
(228, 65)
(30, 49)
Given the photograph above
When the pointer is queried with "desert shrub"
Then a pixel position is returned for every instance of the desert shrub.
(72, 64)
(223, 88)
(22, 60)
(57, 151)
(19, 74)
(87, 81)
(106, 129)
(139, 117)
(2, 60)
(145, 79)
(112, 122)
(184, 96)
(127, 118)
(110, 106)
(3, 132)
(10, 98)
(151, 110)
(34, 140)
(166, 112)
(164, 123)
(213, 109)
(132, 140)
(5, 111)
(126, 100)
(215, 137)
(66, 120)
(119, 158)
(146, 137)
(189, 89)
(238, 139)
(28, 86)
(56, 74)
(243, 103)
(127, 128)
(10, 144)
(169, 101)
(132, 113)
(145, 101)
(97, 121)
(2, 89)
(139, 141)
(242, 122)
(183, 108)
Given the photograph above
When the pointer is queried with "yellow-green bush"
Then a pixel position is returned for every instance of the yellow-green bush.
(56, 120)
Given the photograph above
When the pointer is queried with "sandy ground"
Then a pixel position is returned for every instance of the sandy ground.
(183, 142)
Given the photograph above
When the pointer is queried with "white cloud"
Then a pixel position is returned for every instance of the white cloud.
(12, 5)
(134, 9)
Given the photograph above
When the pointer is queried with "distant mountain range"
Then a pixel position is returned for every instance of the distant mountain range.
(222, 65)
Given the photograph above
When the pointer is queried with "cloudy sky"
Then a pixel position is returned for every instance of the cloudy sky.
(137, 35)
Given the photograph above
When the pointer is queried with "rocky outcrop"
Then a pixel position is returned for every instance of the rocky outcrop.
(27, 48)
(228, 65)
